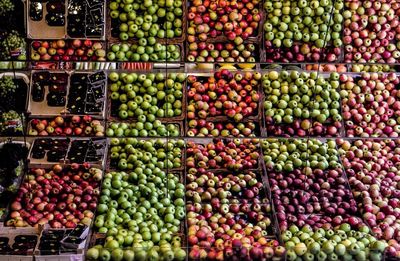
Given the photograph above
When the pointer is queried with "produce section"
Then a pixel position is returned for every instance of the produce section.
(199, 130)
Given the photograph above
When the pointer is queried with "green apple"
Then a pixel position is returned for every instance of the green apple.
(179, 254)
(129, 255)
(93, 253)
(112, 244)
(104, 255)
(117, 254)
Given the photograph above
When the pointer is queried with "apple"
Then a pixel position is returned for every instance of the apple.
(76, 43)
(45, 44)
(36, 45)
(60, 44)
(42, 50)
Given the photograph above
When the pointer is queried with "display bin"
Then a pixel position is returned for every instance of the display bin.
(12, 233)
(65, 143)
(251, 146)
(256, 116)
(112, 106)
(43, 110)
(316, 208)
(113, 165)
(29, 128)
(257, 192)
(271, 129)
(279, 54)
(165, 121)
(273, 55)
(68, 54)
(97, 238)
(361, 181)
(64, 255)
(167, 42)
(256, 54)
(326, 67)
(100, 151)
(372, 67)
(41, 30)
(269, 235)
(100, 238)
(355, 127)
(49, 170)
(314, 218)
(256, 37)
(351, 49)
(197, 131)
(35, 29)
(113, 31)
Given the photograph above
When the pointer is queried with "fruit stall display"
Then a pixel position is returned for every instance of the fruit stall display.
(199, 130)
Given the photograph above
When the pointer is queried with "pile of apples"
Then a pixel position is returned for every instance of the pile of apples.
(230, 94)
(237, 231)
(141, 215)
(143, 129)
(371, 104)
(67, 126)
(339, 243)
(144, 19)
(146, 97)
(204, 128)
(131, 153)
(287, 155)
(368, 67)
(211, 186)
(303, 31)
(235, 155)
(372, 32)
(233, 19)
(321, 198)
(301, 104)
(307, 183)
(372, 167)
(60, 197)
(230, 24)
(340, 68)
(68, 50)
(238, 51)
